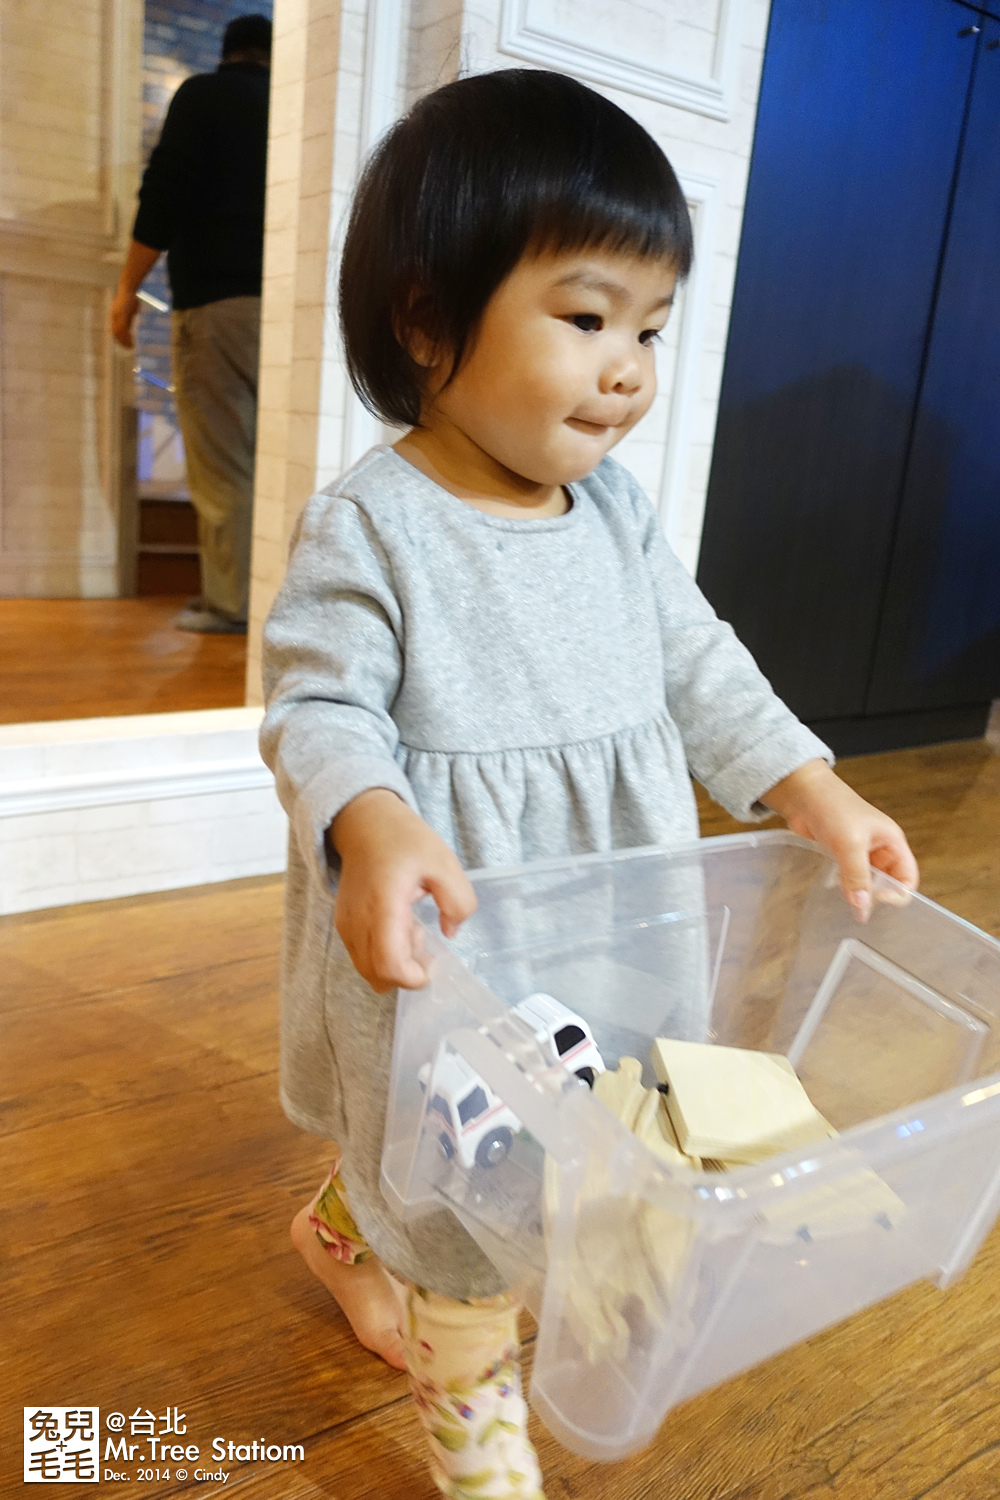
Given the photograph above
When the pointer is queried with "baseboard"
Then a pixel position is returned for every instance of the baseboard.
(98, 808)
(879, 732)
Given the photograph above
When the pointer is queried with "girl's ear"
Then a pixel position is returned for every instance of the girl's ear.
(415, 329)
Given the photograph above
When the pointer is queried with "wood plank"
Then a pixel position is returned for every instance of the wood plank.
(86, 658)
(167, 1254)
(198, 1030)
(67, 952)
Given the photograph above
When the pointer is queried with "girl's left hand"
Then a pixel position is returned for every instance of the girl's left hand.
(815, 803)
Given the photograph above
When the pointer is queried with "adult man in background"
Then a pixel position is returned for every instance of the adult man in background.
(202, 200)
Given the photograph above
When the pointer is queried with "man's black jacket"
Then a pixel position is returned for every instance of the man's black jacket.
(202, 195)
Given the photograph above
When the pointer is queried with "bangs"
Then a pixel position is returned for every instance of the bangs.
(586, 176)
(618, 225)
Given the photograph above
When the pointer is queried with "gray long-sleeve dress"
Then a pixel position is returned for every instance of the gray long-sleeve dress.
(533, 688)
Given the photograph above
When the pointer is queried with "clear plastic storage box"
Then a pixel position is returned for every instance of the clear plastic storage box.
(652, 1282)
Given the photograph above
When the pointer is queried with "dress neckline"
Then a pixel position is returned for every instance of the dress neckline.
(473, 516)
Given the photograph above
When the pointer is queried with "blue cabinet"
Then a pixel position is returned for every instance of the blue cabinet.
(852, 528)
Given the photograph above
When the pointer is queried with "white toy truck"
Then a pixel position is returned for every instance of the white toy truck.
(475, 1125)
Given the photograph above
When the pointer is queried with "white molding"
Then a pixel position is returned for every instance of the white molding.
(381, 105)
(712, 94)
(45, 794)
(381, 97)
(362, 430)
(703, 192)
(62, 733)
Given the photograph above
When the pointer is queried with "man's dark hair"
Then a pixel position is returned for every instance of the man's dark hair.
(479, 172)
(247, 34)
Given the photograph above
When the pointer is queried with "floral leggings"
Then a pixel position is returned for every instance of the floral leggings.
(464, 1364)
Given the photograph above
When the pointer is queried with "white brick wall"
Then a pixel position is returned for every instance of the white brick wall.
(69, 102)
(97, 808)
(59, 533)
(305, 87)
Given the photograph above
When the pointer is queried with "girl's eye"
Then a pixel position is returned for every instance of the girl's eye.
(587, 322)
(649, 336)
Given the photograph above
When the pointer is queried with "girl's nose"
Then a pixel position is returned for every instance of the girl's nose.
(622, 376)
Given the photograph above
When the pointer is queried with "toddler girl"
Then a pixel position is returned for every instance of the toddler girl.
(486, 653)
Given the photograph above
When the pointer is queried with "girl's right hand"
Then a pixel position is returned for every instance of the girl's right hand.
(390, 859)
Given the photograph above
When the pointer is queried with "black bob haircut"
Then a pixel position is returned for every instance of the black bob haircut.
(479, 172)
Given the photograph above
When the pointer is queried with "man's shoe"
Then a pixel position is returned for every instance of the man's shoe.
(203, 620)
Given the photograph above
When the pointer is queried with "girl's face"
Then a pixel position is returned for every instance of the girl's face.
(561, 369)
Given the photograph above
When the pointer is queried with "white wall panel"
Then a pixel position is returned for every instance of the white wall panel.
(681, 52)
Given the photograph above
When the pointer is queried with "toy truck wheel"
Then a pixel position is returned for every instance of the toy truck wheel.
(587, 1074)
(494, 1148)
(447, 1147)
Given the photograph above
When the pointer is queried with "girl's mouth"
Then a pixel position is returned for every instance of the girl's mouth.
(592, 429)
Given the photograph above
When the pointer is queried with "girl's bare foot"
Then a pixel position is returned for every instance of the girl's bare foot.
(369, 1298)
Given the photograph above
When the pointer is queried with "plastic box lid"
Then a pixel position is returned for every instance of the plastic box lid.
(652, 1282)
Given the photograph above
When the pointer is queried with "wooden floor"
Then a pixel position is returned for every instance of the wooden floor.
(149, 1178)
(87, 658)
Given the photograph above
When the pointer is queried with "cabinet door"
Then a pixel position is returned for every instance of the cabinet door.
(939, 645)
(858, 130)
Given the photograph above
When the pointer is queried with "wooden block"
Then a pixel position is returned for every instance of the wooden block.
(848, 1204)
(630, 1252)
(733, 1105)
(654, 1128)
(621, 1090)
(640, 1110)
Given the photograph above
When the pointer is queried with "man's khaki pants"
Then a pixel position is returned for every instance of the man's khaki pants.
(215, 351)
